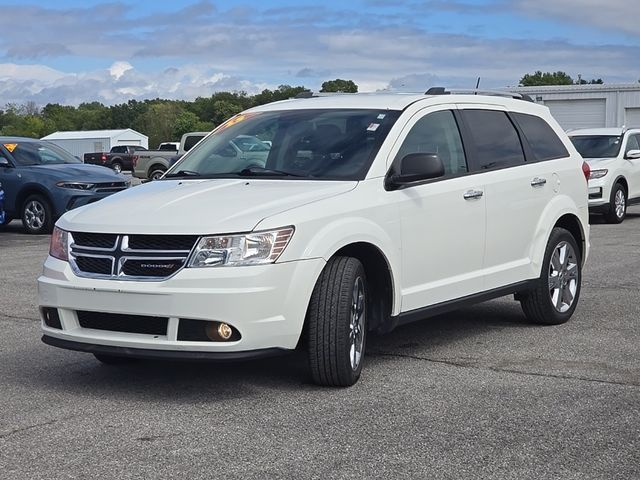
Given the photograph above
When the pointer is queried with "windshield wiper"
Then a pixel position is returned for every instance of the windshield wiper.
(183, 173)
(257, 171)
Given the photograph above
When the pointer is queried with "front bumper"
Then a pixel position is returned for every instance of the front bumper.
(599, 193)
(266, 304)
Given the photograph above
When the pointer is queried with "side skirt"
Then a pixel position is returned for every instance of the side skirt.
(451, 305)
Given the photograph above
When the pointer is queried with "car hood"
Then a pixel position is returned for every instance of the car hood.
(198, 206)
(77, 172)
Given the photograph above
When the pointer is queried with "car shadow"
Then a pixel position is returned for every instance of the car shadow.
(81, 374)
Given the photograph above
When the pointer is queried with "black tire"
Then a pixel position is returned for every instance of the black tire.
(156, 172)
(331, 336)
(618, 199)
(114, 359)
(538, 303)
(37, 215)
(117, 167)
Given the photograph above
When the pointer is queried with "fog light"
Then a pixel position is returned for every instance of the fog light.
(218, 331)
(225, 331)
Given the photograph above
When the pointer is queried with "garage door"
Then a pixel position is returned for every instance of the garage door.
(632, 117)
(578, 113)
(128, 142)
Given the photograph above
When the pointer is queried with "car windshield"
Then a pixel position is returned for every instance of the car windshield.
(597, 146)
(39, 153)
(337, 144)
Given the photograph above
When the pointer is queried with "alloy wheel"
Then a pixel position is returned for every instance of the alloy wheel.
(357, 323)
(619, 203)
(35, 215)
(563, 277)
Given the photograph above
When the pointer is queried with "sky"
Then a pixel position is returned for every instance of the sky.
(72, 51)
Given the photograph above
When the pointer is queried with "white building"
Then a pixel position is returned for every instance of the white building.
(79, 143)
(586, 106)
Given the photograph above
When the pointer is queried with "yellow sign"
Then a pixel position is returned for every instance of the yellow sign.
(10, 146)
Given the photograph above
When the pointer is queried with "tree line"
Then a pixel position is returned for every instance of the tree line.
(161, 120)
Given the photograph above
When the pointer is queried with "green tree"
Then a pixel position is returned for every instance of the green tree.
(339, 85)
(158, 122)
(547, 78)
(225, 109)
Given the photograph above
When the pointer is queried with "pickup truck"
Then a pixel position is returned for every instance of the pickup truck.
(119, 158)
(152, 164)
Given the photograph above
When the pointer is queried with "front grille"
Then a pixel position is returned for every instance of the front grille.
(151, 267)
(162, 242)
(114, 322)
(129, 257)
(98, 265)
(110, 187)
(94, 240)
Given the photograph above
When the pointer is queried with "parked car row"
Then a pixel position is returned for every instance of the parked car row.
(152, 164)
(119, 158)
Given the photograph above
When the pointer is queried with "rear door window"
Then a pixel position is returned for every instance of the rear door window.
(543, 141)
(495, 139)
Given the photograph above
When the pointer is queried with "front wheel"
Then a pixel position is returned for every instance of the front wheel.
(618, 205)
(37, 215)
(554, 298)
(337, 323)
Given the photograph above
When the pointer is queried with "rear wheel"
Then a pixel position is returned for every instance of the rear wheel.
(617, 204)
(117, 167)
(156, 172)
(337, 323)
(114, 359)
(555, 296)
(37, 215)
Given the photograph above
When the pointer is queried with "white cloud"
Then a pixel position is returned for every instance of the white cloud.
(118, 68)
(619, 15)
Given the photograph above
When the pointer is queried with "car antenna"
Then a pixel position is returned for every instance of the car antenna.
(477, 85)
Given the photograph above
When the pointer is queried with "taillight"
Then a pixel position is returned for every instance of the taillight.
(586, 169)
(103, 158)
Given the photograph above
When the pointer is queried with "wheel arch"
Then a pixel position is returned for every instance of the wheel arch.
(156, 166)
(28, 190)
(623, 181)
(379, 280)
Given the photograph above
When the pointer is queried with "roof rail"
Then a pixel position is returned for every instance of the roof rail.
(475, 91)
(310, 94)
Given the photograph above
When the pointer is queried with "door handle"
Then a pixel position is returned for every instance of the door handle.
(471, 194)
(538, 182)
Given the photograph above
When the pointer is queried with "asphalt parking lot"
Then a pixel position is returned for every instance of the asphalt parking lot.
(478, 393)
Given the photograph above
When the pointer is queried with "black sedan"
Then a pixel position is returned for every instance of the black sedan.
(41, 181)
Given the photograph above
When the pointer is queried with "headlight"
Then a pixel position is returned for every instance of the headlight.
(76, 185)
(59, 247)
(256, 248)
(598, 173)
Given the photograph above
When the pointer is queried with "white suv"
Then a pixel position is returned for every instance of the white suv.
(369, 211)
(613, 154)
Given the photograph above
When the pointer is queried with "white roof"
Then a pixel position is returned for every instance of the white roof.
(386, 101)
(613, 131)
(80, 134)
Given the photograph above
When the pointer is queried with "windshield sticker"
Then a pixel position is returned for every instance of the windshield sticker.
(235, 120)
(10, 146)
(373, 127)
(381, 116)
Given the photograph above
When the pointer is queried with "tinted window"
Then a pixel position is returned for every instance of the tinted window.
(496, 139)
(597, 146)
(543, 141)
(191, 140)
(119, 149)
(437, 133)
(632, 144)
(39, 153)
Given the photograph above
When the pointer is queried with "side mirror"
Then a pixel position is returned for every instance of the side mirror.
(4, 162)
(417, 167)
(632, 154)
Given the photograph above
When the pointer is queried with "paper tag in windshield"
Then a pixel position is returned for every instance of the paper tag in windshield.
(10, 146)
(381, 116)
(373, 127)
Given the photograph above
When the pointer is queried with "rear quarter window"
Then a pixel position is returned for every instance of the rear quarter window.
(543, 141)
